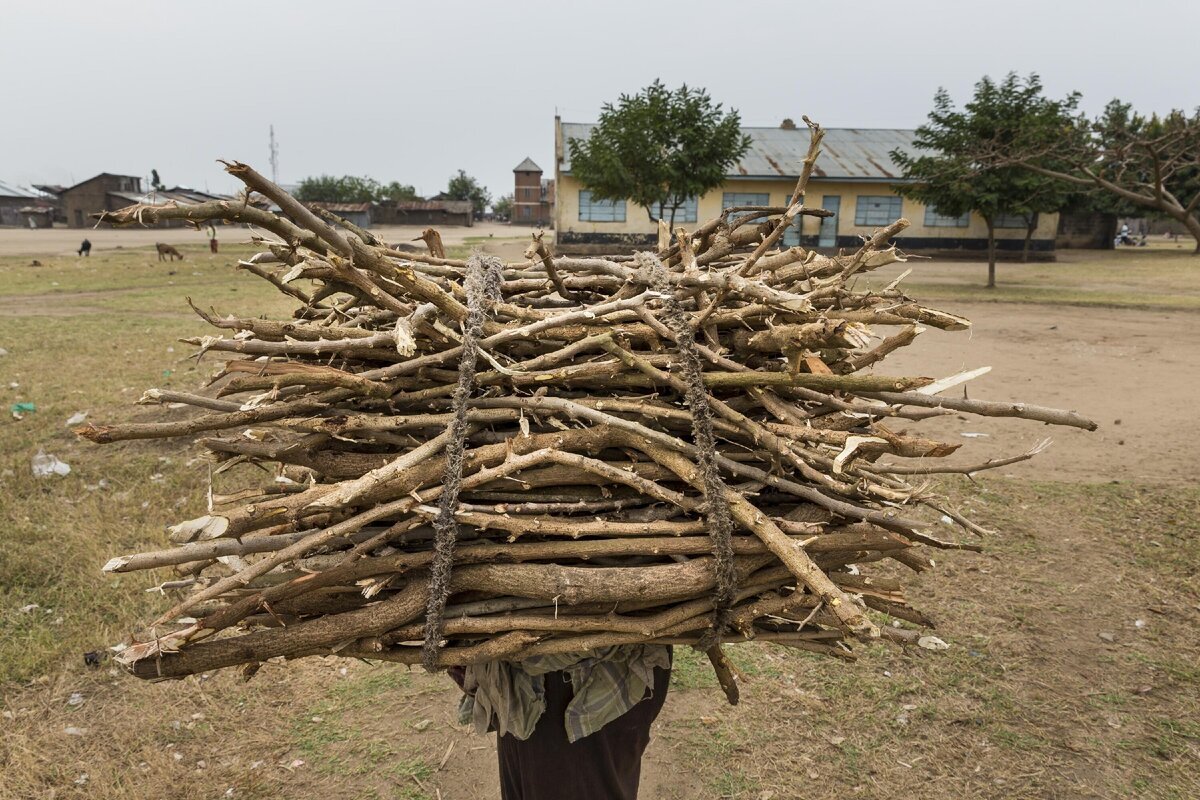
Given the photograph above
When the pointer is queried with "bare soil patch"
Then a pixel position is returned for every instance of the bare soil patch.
(1129, 370)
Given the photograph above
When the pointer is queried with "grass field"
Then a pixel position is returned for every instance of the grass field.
(1163, 276)
(1073, 668)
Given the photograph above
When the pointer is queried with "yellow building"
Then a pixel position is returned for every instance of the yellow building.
(855, 177)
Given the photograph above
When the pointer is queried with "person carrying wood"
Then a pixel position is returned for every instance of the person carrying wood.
(572, 725)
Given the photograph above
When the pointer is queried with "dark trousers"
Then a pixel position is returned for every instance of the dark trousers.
(604, 766)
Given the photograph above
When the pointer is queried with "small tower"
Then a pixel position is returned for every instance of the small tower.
(527, 194)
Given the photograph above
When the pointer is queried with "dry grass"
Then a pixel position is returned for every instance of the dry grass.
(1166, 277)
(1029, 701)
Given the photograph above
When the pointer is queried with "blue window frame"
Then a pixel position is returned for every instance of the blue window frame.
(689, 211)
(600, 210)
(731, 199)
(877, 209)
(935, 219)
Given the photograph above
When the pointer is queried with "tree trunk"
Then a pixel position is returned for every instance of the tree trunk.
(1193, 225)
(991, 250)
(1029, 227)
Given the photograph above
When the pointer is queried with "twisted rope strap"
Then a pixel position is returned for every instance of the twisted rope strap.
(483, 288)
(716, 508)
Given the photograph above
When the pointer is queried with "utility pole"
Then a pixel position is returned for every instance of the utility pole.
(274, 157)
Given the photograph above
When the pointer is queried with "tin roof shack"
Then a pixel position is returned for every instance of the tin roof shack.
(36, 216)
(355, 213)
(533, 195)
(52, 193)
(854, 177)
(12, 200)
(425, 212)
(98, 194)
(83, 202)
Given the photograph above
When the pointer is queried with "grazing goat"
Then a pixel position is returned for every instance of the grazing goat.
(167, 252)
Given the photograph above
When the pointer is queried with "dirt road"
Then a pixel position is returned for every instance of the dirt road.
(1133, 372)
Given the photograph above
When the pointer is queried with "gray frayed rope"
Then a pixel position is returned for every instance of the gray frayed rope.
(483, 281)
(717, 516)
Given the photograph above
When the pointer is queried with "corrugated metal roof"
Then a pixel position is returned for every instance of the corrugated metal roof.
(451, 206)
(186, 198)
(149, 199)
(11, 190)
(343, 208)
(194, 194)
(846, 153)
(527, 166)
(101, 175)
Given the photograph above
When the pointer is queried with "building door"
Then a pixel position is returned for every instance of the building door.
(827, 237)
(78, 218)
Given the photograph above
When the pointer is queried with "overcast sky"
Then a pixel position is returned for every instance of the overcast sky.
(414, 91)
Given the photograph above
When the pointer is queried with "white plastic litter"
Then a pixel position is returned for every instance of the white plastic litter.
(45, 465)
(77, 418)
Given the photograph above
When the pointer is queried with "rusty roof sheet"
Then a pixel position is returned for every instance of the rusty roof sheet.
(857, 154)
(450, 206)
(342, 208)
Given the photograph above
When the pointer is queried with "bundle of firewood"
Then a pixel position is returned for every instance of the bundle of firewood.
(477, 460)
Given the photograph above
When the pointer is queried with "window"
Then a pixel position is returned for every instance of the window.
(791, 237)
(731, 199)
(935, 219)
(1012, 221)
(600, 210)
(878, 210)
(687, 212)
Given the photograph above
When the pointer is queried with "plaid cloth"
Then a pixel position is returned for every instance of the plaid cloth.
(510, 696)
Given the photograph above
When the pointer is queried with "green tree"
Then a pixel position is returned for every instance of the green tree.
(351, 189)
(155, 183)
(503, 206)
(948, 174)
(1152, 162)
(659, 148)
(397, 192)
(463, 187)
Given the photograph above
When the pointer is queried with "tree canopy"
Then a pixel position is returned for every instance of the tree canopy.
(949, 174)
(1149, 161)
(463, 187)
(503, 207)
(659, 148)
(351, 189)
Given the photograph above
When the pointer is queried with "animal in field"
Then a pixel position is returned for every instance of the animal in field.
(167, 253)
